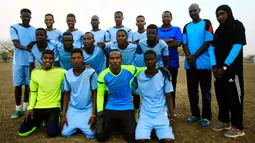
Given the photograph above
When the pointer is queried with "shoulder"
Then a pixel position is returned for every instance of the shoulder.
(142, 41)
(58, 31)
(185, 26)
(103, 73)
(36, 70)
(239, 24)
(132, 45)
(90, 71)
(176, 27)
(59, 69)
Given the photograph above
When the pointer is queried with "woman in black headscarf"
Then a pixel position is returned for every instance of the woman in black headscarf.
(226, 55)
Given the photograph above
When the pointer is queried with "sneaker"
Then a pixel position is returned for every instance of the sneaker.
(234, 132)
(193, 119)
(24, 112)
(16, 114)
(205, 123)
(221, 126)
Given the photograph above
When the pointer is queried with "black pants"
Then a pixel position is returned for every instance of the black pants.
(230, 94)
(123, 120)
(51, 118)
(174, 74)
(203, 78)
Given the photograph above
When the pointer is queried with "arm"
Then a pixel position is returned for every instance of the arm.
(33, 92)
(170, 105)
(31, 67)
(202, 49)
(174, 44)
(130, 35)
(66, 102)
(233, 54)
(177, 41)
(165, 54)
(18, 45)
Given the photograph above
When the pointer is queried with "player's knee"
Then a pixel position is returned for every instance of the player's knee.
(166, 141)
(101, 137)
(52, 131)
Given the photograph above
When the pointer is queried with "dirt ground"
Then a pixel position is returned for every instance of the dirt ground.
(185, 133)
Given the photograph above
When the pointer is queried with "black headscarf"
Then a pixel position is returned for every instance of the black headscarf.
(227, 34)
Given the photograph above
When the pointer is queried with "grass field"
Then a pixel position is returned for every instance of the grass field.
(185, 133)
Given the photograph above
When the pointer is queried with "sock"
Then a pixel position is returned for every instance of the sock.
(18, 107)
(25, 104)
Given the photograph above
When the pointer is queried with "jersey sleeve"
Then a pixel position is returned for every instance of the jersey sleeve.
(94, 81)
(208, 30)
(184, 35)
(165, 51)
(66, 83)
(14, 33)
(33, 91)
(130, 35)
(178, 35)
(168, 87)
(31, 57)
(100, 91)
(107, 36)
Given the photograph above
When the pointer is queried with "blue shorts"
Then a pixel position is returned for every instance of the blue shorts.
(160, 124)
(20, 75)
(78, 119)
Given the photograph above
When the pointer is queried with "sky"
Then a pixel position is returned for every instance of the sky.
(243, 10)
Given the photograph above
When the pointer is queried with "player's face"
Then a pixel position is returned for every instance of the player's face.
(121, 37)
(194, 13)
(67, 42)
(222, 16)
(88, 40)
(94, 22)
(48, 60)
(140, 22)
(150, 61)
(151, 34)
(25, 17)
(166, 18)
(115, 59)
(40, 36)
(49, 21)
(118, 18)
(77, 59)
(70, 22)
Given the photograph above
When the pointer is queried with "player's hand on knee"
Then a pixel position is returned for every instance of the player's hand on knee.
(63, 121)
(92, 122)
(172, 123)
(29, 114)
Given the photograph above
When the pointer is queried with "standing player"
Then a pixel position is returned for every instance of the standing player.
(94, 55)
(119, 109)
(81, 90)
(141, 32)
(21, 34)
(99, 34)
(45, 94)
(111, 32)
(64, 50)
(197, 37)
(77, 34)
(227, 63)
(41, 45)
(52, 33)
(155, 89)
(173, 37)
(153, 43)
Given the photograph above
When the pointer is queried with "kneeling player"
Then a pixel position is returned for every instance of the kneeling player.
(155, 88)
(45, 94)
(80, 89)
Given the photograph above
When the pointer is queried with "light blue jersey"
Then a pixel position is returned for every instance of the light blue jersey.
(111, 33)
(77, 38)
(64, 57)
(161, 49)
(137, 36)
(54, 35)
(128, 54)
(99, 35)
(96, 59)
(153, 92)
(194, 36)
(80, 87)
(24, 35)
(36, 54)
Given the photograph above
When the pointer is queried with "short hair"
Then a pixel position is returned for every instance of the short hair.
(150, 52)
(168, 12)
(25, 10)
(118, 12)
(70, 15)
(47, 52)
(123, 31)
(152, 26)
(115, 50)
(90, 33)
(49, 14)
(41, 29)
(77, 50)
(67, 33)
(140, 16)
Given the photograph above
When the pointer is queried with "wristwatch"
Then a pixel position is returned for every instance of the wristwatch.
(225, 68)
